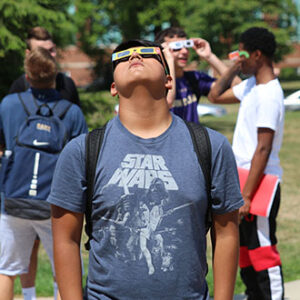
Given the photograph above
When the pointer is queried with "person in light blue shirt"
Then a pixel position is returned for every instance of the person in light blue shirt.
(150, 202)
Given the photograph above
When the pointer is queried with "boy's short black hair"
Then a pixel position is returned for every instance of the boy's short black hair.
(170, 32)
(140, 43)
(259, 38)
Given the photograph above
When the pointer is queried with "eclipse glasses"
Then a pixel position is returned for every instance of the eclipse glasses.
(235, 54)
(178, 45)
(145, 52)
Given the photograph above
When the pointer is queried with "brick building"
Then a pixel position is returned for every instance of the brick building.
(76, 64)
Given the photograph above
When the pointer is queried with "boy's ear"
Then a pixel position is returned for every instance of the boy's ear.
(113, 89)
(169, 82)
(258, 54)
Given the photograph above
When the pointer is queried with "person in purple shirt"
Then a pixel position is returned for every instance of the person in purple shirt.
(191, 85)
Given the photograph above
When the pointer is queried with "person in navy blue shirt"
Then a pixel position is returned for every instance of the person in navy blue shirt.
(18, 227)
(65, 86)
(189, 85)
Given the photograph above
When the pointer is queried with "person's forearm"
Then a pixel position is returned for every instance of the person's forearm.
(172, 92)
(68, 270)
(217, 64)
(221, 68)
(258, 165)
(225, 263)
(223, 83)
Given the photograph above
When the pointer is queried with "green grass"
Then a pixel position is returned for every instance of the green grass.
(98, 107)
(290, 86)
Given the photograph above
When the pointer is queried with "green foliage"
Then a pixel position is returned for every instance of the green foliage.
(98, 108)
(100, 20)
(16, 17)
(222, 21)
(159, 12)
(289, 74)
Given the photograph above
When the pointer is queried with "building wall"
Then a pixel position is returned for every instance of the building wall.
(77, 65)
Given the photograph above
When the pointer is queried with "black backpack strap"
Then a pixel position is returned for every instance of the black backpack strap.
(93, 144)
(193, 83)
(60, 81)
(202, 147)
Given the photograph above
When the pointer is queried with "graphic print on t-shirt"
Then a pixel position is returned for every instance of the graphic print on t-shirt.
(137, 230)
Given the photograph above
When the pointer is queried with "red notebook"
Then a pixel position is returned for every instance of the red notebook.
(262, 200)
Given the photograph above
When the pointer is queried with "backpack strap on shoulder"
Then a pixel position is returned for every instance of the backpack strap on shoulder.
(202, 147)
(61, 107)
(60, 81)
(93, 143)
(29, 103)
(26, 83)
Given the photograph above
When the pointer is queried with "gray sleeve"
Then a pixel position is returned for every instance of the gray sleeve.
(226, 195)
(69, 183)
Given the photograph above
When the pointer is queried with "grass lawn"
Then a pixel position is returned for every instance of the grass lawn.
(98, 108)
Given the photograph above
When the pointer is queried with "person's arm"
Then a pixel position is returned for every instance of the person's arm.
(171, 95)
(78, 122)
(258, 164)
(225, 254)
(2, 138)
(221, 91)
(203, 50)
(2, 148)
(66, 230)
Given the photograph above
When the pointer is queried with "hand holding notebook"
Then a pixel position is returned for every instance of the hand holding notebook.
(262, 200)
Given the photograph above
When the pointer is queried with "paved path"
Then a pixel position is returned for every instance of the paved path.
(292, 292)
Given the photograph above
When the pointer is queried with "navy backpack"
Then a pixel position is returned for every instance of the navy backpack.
(31, 165)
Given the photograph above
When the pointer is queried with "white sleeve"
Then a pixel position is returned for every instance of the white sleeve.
(240, 89)
(268, 109)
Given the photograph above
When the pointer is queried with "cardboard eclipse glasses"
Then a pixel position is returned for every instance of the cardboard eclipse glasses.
(145, 52)
(178, 45)
(235, 54)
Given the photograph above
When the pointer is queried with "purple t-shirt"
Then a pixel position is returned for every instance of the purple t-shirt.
(187, 97)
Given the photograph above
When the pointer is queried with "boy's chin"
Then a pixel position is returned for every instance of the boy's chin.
(181, 63)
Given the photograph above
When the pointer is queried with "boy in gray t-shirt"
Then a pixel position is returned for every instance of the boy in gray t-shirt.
(150, 202)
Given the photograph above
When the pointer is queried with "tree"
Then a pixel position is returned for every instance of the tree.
(222, 21)
(16, 17)
(106, 22)
(99, 21)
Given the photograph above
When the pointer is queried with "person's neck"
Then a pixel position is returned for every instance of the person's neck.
(144, 115)
(264, 74)
(179, 72)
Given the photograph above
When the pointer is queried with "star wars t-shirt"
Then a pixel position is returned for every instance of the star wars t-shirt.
(149, 207)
